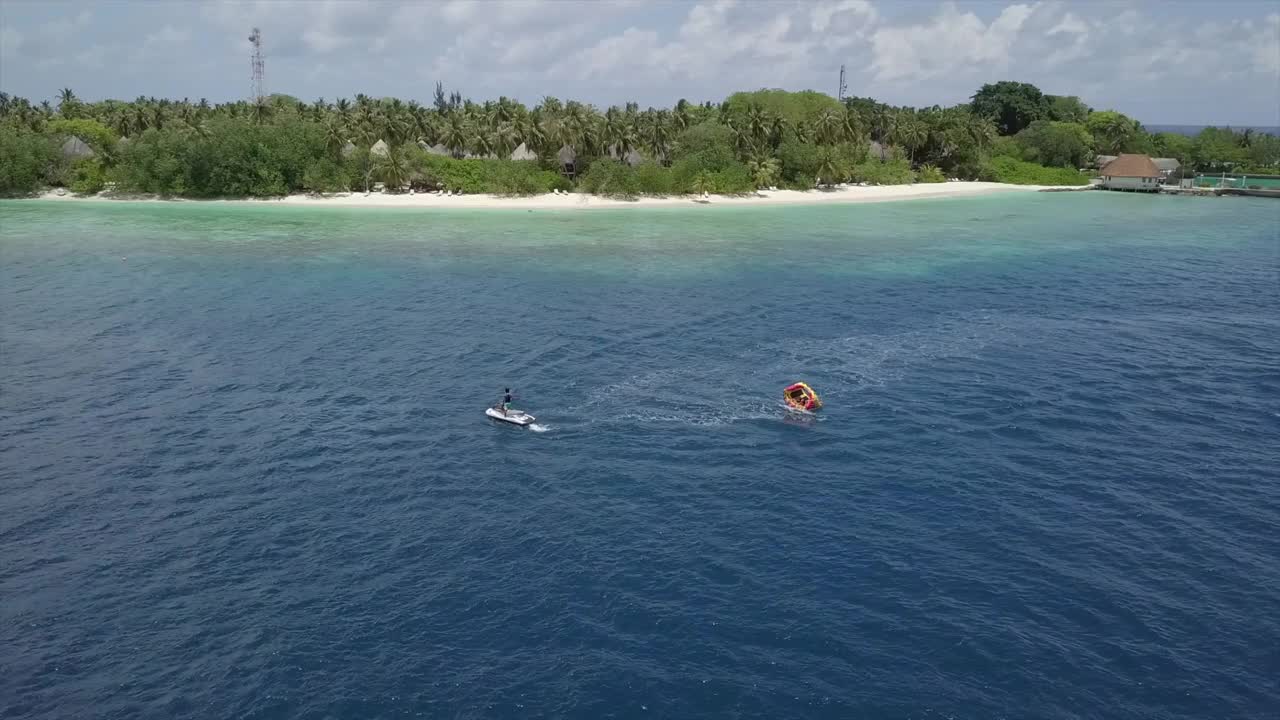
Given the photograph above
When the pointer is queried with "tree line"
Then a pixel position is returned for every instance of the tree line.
(1009, 132)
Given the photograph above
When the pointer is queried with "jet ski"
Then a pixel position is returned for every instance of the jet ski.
(515, 417)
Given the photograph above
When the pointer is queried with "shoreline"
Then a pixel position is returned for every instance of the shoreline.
(576, 201)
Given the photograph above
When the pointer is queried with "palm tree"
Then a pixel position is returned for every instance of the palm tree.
(158, 116)
(618, 133)
(657, 135)
(503, 140)
(396, 128)
(743, 143)
(335, 136)
(455, 134)
(1115, 133)
(803, 132)
(590, 136)
(67, 103)
(764, 171)
(758, 124)
(854, 126)
(196, 127)
(681, 116)
(122, 123)
(423, 127)
(829, 167)
(777, 131)
(547, 132)
(577, 130)
(910, 133)
(883, 123)
(980, 130)
(828, 127)
(551, 105)
(393, 169)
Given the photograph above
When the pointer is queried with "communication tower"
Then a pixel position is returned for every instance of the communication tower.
(255, 38)
(843, 85)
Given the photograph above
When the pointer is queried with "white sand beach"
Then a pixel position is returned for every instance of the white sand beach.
(576, 201)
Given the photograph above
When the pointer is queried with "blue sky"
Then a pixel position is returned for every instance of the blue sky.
(1175, 61)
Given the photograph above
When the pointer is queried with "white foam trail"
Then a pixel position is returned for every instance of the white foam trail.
(539, 427)
(714, 391)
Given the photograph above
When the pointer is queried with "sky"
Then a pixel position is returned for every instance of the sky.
(1166, 62)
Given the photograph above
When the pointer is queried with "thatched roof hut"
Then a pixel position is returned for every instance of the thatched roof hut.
(523, 153)
(76, 149)
(567, 156)
(348, 148)
(633, 157)
(877, 151)
(380, 149)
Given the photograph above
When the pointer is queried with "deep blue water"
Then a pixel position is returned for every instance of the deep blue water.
(244, 470)
(1193, 130)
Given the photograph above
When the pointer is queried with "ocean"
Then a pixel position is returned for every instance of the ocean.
(245, 470)
(1193, 130)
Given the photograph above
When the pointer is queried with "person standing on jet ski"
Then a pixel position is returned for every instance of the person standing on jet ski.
(505, 405)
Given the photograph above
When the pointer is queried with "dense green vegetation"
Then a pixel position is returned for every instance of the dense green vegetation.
(1011, 170)
(1010, 132)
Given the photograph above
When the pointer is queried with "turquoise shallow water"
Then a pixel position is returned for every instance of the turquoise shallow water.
(244, 470)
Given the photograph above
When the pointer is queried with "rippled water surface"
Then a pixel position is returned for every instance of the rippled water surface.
(245, 471)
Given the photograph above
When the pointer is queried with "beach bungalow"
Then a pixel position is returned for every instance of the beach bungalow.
(348, 148)
(380, 149)
(1132, 172)
(76, 149)
(437, 149)
(876, 151)
(523, 153)
(567, 158)
(1168, 167)
(633, 157)
(1101, 160)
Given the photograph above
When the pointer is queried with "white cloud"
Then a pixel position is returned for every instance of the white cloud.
(950, 40)
(856, 15)
(1070, 24)
(1266, 47)
(167, 37)
(1177, 58)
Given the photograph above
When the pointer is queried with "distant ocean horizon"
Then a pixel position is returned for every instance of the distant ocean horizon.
(1191, 130)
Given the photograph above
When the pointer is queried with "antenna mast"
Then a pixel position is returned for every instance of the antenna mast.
(256, 60)
(843, 85)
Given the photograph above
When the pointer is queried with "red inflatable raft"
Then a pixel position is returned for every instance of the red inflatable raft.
(801, 397)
